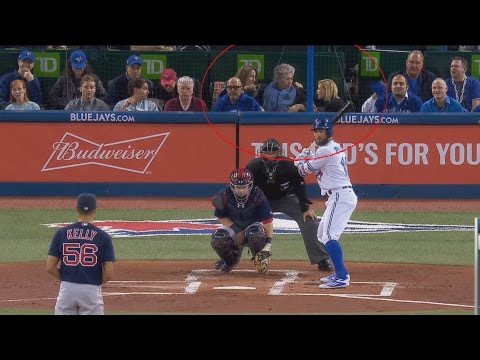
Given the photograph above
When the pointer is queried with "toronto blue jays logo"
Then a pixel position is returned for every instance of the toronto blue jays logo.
(281, 225)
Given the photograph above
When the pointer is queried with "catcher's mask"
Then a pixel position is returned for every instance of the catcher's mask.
(270, 151)
(241, 183)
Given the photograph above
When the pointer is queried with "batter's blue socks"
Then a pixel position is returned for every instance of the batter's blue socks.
(336, 254)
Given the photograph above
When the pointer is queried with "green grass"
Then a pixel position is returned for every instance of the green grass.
(14, 311)
(24, 239)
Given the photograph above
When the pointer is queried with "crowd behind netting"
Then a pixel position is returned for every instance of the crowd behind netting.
(413, 88)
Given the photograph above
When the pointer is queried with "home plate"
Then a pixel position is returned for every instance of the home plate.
(234, 288)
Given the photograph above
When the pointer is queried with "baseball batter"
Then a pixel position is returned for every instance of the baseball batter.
(285, 189)
(81, 256)
(330, 167)
(246, 218)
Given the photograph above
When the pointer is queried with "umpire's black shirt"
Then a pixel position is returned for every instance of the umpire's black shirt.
(286, 180)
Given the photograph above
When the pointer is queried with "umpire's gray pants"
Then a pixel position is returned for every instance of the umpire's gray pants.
(289, 205)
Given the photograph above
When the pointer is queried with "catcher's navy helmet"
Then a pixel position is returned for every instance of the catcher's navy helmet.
(323, 123)
(241, 183)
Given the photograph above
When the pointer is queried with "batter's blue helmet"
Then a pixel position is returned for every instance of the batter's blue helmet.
(323, 123)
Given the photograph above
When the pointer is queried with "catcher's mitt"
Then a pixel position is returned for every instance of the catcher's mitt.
(262, 259)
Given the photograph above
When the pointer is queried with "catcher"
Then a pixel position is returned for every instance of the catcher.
(246, 219)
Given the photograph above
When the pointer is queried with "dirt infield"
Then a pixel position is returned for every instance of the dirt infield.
(291, 287)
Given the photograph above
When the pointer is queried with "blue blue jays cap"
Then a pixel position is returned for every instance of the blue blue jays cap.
(78, 59)
(86, 202)
(134, 59)
(26, 55)
(378, 87)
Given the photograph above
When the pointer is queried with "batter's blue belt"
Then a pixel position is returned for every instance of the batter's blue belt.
(329, 192)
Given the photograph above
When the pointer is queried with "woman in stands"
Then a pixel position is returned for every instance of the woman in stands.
(19, 98)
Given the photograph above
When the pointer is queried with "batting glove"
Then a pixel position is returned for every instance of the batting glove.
(307, 153)
(298, 162)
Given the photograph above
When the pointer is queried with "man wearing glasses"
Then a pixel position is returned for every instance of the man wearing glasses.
(236, 100)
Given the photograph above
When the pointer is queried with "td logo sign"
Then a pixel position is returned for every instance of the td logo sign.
(47, 64)
(475, 66)
(369, 67)
(153, 65)
(257, 61)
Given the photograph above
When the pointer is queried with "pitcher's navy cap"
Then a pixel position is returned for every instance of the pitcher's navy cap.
(86, 202)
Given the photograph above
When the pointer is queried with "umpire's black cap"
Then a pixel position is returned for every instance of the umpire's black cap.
(86, 202)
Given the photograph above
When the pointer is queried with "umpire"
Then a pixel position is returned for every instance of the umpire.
(285, 189)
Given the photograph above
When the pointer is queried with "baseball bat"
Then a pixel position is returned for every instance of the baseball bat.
(340, 112)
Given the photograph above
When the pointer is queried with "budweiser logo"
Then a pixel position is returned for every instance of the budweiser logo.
(133, 155)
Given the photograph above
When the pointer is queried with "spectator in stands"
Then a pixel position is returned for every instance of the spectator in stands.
(19, 98)
(399, 100)
(248, 76)
(328, 99)
(419, 80)
(138, 90)
(441, 102)
(378, 88)
(166, 88)
(236, 99)
(118, 87)
(26, 63)
(87, 101)
(185, 101)
(465, 89)
(476, 109)
(281, 93)
(68, 85)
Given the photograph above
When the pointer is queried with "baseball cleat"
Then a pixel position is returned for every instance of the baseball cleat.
(331, 277)
(335, 284)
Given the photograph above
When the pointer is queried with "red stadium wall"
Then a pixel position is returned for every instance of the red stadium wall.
(393, 154)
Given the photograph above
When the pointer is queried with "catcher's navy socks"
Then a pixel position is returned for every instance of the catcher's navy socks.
(335, 252)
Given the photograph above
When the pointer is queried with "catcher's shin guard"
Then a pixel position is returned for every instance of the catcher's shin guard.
(225, 247)
(255, 235)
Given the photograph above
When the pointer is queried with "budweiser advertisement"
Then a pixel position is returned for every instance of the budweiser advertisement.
(58, 152)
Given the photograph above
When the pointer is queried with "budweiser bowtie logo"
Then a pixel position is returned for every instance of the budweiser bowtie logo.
(133, 155)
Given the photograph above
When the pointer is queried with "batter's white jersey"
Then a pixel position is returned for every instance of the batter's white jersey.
(330, 167)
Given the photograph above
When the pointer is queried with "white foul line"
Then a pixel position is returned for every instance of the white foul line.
(32, 299)
(388, 289)
(140, 293)
(277, 287)
(370, 297)
(193, 284)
